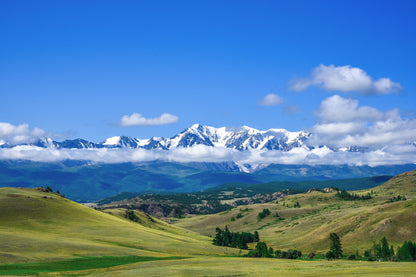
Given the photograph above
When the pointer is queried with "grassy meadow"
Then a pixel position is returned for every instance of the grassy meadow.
(45, 234)
(37, 226)
(234, 266)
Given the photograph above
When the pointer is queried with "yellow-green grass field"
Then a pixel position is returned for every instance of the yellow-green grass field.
(359, 223)
(38, 226)
(234, 266)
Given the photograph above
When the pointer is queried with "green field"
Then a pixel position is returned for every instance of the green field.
(234, 266)
(261, 267)
(77, 264)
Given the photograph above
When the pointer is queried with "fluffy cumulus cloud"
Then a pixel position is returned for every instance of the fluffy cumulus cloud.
(344, 78)
(342, 123)
(270, 100)
(137, 119)
(340, 109)
(17, 134)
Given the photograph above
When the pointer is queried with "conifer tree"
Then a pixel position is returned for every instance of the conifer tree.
(256, 236)
(385, 250)
(335, 246)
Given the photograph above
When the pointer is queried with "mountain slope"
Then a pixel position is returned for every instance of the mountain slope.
(404, 184)
(359, 223)
(42, 226)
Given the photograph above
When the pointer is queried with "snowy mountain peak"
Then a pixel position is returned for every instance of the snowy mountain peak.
(196, 126)
(238, 138)
(249, 129)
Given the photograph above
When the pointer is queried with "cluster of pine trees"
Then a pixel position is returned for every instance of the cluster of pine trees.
(383, 252)
(262, 251)
(407, 252)
(290, 254)
(397, 198)
(345, 195)
(236, 240)
(49, 189)
(263, 214)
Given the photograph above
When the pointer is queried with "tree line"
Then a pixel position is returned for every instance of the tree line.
(237, 240)
(345, 195)
(262, 251)
(382, 251)
(397, 198)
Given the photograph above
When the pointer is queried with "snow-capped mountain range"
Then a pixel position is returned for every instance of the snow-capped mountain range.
(241, 138)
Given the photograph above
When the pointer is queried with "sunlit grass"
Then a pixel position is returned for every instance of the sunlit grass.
(211, 266)
(84, 263)
(34, 228)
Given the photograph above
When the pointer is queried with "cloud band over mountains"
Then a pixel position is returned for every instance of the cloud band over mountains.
(398, 154)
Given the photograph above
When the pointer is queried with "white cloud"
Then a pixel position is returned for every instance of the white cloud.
(137, 119)
(19, 134)
(342, 123)
(344, 78)
(340, 109)
(270, 100)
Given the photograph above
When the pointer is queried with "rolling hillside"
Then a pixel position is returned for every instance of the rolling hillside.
(40, 226)
(359, 222)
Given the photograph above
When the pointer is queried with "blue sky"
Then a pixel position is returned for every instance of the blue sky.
(75, 68)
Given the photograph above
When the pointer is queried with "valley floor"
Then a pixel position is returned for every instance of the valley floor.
(230, 266)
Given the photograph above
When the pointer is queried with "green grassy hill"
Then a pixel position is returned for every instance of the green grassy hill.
(40, 226)
(404, 184)
(359, 223)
